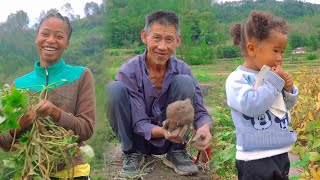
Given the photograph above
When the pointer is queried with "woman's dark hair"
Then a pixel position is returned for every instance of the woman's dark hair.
(258, 26)
(59, 16)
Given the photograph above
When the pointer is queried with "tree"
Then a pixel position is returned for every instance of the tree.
(18, 21)
(313, 42)
(91, 8)
(297, 39)
(44, 14)
(227, 51)
(68, 11)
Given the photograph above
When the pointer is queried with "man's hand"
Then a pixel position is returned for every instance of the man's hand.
(173, 136)
(46, 108)
(203, 138)
(288, 86)
(182, 131)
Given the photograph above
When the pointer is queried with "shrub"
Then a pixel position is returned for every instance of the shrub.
(115, 53)
(227, 51)
(139, 50)
(197, 55)
(311, 56)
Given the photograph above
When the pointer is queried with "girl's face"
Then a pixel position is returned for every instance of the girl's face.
(52, 40)
(269, 51)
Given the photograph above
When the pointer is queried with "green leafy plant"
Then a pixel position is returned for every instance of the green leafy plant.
(13, 104)
(224, 150)
(39, 150)
(139, 50)
(225, 51)
(115, 53)
(311, 57)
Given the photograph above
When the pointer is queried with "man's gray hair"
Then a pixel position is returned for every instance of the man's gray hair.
(163, 17)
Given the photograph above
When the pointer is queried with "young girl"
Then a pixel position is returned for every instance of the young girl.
(263, 136)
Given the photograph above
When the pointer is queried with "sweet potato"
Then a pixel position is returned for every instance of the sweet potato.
(180, 114)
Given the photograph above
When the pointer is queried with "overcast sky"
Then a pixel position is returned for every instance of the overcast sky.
(34, 7)
(311, 1)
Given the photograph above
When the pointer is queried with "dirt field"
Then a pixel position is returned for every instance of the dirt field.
(153, 168)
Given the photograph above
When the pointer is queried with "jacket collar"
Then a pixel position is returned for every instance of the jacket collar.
(53, 69)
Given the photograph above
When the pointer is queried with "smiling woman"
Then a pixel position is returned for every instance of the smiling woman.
(69, 102)
(53, 38)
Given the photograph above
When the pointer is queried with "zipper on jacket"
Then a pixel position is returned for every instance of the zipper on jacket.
(47, 82)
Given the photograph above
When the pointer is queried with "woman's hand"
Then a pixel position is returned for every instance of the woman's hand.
(25, 121)
(46, 108)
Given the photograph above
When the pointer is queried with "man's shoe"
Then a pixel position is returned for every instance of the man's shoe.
(181, 162)
(131, 164)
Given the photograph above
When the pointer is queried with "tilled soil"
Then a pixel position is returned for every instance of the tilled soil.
(152, 169)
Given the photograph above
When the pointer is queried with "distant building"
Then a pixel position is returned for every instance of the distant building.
(234, 3)
(298, 50)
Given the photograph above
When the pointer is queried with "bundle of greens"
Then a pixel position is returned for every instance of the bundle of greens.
(38, 151)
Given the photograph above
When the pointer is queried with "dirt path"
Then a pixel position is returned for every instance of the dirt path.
(154, 169)
(294, 171)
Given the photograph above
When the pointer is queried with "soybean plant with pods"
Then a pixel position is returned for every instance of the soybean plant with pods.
(39, 150)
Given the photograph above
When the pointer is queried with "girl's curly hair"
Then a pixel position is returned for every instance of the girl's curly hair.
(258, 26)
